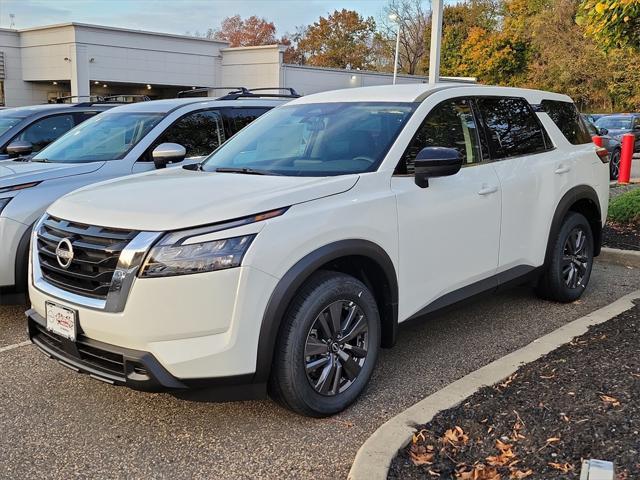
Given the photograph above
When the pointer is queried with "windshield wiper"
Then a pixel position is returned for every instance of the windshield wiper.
(248, 171)
(41, 160)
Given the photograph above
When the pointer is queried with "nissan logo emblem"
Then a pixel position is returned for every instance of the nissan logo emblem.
(64, 253)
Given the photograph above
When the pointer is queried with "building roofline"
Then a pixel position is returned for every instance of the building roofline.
(254, 47)
(117, 29)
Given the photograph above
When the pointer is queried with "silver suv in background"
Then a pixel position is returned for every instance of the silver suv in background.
(128, 139)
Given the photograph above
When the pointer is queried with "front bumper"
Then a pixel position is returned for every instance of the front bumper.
(135, 369)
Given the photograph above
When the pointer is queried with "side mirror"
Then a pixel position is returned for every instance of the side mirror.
(19, 148)
(168, 153)
(603, 131)
(436, 162)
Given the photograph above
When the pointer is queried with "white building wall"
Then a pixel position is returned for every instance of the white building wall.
(251, 67)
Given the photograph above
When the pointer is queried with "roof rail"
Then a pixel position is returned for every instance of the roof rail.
(121, 98)
(98, 99)
(250, 93)
(207, 90)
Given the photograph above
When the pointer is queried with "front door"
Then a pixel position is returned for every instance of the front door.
(449, 232)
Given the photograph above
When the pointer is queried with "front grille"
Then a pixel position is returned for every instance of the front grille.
(96, 251)
(97, 358)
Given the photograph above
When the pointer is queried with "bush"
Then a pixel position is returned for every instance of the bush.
(626, 208)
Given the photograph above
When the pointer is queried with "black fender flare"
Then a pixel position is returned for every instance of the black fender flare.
(22, 261)
(580, 192)
(289, 284)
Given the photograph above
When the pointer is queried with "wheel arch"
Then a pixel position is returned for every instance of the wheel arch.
(363, 259)
(581, 199)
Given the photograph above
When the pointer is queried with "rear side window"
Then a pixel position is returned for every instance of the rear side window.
(512, 127)
(566, 117)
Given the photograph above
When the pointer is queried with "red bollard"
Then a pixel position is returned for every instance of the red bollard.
(597, 139)
(628, 141)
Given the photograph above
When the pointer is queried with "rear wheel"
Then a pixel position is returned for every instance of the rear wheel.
(614, 165)
(569, 269)
(328, 345)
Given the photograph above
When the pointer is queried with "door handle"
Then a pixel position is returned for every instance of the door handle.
(561, 169)
(487, 190)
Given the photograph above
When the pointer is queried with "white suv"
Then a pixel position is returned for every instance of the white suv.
(129, 139)
(285, 260)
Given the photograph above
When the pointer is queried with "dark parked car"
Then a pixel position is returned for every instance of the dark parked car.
(612, 145)
(26, 130)
(619, 124)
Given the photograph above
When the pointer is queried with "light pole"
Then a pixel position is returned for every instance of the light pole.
(395, 18)
(436, 40)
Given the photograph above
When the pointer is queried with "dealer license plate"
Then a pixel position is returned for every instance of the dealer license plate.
(61, 320)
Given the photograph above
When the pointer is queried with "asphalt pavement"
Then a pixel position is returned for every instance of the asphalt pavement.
(55, 423)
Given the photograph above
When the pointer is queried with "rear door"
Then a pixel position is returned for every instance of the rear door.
(533, 174)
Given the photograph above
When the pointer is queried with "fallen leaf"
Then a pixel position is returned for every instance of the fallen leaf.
(508, 381)
(420, 455)
(553, 439)
(519, 474)
(613, 401)
(455, 436)
(563, 467)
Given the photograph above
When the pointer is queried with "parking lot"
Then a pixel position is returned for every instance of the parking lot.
(58, 424)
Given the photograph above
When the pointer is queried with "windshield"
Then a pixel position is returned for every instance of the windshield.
(314, 139)
(7, 122)
(615, 123)
(108, 136)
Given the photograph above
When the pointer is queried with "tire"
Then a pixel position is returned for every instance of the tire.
(311, 353)
(614, 165)
(567, 274)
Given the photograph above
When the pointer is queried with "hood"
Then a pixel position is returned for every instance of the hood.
(177, 198)
(15, 173)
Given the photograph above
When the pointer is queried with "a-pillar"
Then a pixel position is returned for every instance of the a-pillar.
(80, 86)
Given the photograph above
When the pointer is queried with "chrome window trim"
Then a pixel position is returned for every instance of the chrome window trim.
(129, 262)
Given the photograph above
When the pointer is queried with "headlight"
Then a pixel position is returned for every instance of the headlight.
(169, 258)
(3, 203)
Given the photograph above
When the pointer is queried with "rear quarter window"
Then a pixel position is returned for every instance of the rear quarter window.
(567, 118)
(512, 127)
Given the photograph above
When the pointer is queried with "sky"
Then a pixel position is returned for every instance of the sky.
(176, 16)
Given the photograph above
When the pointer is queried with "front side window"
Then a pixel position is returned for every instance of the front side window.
(513, 128)
(108, 136)
(6, 123)
(319, 139)
(200, 133)
(44, 131)
(450, 124)
(567, 118)
(238, 118)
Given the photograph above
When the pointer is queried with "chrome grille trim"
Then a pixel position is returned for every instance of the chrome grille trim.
(112, 266)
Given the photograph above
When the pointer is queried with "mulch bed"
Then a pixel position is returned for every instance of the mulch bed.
(625, 237)
(580, 401)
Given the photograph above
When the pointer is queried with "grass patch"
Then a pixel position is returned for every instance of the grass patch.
(625, 209)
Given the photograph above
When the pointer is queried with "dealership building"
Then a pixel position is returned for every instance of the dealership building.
(42, 63)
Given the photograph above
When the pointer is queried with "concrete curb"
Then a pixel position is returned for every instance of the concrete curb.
(374, 457)
(626, 258)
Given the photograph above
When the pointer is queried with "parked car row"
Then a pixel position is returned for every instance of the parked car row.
(283, 261)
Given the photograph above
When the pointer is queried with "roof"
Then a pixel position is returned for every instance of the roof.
(118, 29)
(164, 106)
(24, 112)
(417, 92)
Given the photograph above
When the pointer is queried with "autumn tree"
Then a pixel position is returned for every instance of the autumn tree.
(612, 23)
(342, 40)
(411, 17)
(247, 32)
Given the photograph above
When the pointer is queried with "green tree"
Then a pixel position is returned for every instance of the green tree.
(341, 40)
(612, 23)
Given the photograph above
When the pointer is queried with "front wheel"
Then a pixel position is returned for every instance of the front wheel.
(569, 269)
(328, 345)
